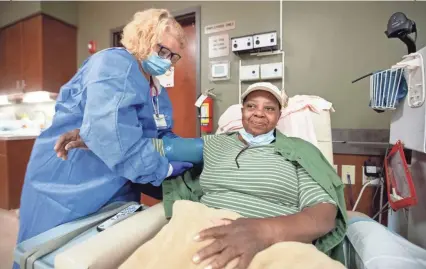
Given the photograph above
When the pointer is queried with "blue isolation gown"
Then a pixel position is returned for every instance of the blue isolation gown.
(110, 101)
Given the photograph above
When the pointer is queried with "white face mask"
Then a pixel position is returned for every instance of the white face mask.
(260, 140)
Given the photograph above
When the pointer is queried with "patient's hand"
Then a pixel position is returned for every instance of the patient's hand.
(69, 141)
(242, 238)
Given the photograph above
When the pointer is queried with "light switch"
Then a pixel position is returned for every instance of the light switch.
(336, 167)
(348, 174)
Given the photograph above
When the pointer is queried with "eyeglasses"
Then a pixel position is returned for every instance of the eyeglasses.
(166, 53)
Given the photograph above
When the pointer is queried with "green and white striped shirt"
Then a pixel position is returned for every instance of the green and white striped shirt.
(263, 184)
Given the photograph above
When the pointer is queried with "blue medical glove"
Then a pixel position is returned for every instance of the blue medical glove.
(184, 149)
(178, 168)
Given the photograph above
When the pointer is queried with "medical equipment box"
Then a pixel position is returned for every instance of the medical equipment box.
(243, 43)
(249, 72)
(265, 40)
(271, 71)
(40, 251)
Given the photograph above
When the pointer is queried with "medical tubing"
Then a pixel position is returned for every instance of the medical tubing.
(184, 149)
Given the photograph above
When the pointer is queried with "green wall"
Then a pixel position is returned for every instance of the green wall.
(327, 44)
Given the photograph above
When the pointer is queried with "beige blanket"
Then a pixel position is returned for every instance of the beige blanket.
(173, 247)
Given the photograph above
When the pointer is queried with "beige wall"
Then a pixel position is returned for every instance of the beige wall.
(65, 10)
(327, 45)
(115, 14)
(14, 11)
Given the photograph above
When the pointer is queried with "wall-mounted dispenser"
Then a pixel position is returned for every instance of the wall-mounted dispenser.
(265, 41)
(241, 44)
(255, 43)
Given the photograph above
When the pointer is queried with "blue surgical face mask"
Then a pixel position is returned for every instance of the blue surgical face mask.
(260, 140)
(155, 65)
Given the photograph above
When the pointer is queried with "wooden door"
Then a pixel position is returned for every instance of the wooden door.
(10, 58)
(18, 156)
(58, 37)
(32, 49)
(4, 184)
(183, 94)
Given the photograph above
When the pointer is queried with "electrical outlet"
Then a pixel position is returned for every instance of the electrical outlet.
(348, 174)
(366, 179)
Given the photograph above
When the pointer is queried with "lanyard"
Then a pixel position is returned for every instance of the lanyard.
(154, 95)
(153, 92)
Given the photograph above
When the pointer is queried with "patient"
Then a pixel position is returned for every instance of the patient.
(278, 185)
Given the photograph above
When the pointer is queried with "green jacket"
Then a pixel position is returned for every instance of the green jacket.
(187, 187)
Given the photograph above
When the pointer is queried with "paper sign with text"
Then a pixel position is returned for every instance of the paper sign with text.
(218, 46)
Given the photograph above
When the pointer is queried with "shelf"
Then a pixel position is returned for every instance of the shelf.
(261, 80)
(267, 53)
(18, 98)
(364, 143)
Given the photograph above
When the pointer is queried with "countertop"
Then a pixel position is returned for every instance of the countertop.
(24, 137)
(21, 134)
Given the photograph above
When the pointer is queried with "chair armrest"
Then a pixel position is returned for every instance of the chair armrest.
(111, 247)
(375, 246)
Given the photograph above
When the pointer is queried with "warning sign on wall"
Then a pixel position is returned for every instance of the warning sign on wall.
(219, 27)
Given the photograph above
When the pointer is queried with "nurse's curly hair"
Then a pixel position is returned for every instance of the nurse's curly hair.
(145, 31)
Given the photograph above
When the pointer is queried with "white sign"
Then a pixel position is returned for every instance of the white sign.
(218, 46)
(168, 79)
(219, 27)
(200, 100)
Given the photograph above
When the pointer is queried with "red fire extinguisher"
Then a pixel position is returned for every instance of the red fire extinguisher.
(206, 112)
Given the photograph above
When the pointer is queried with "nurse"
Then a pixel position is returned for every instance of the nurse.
(118, 104)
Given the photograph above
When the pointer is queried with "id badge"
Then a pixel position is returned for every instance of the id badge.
(160, 121)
